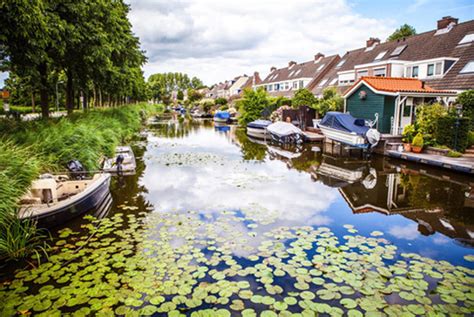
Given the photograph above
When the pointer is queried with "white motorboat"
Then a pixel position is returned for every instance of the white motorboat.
(258, 129)
(344, 128)
(285, 133)
(122, 163)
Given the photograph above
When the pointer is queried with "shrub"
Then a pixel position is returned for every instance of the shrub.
(303, 97)
(470, 138)
(331, 101)
(408, 133)
(466, 99)
(221, 101)
(453, 154)
(427, 119)
(452, 135)
(418, 140)
(252, 104)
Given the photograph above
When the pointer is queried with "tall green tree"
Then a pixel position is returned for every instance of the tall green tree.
(403, 31)
(252, 105)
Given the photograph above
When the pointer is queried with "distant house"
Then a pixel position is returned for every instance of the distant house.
(391, 101)
(251, 82)
(286, 81)
(443, 58)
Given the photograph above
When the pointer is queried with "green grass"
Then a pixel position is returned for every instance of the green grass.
(30, 148)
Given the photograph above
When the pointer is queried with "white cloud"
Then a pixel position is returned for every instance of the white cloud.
(408, 232)
(217, 40)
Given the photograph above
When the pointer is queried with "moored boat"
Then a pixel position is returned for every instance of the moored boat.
(222, 116)
(54, 200)
(285, 133)
(122, 163)
(258, 128)
(344, 128)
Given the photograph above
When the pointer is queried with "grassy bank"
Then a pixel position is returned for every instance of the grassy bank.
(30, 148)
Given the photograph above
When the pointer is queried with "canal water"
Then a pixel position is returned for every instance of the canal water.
(216, 223)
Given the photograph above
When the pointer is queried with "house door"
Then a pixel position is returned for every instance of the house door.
(407, 113)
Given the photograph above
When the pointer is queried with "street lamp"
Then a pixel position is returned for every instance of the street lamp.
(57, 97)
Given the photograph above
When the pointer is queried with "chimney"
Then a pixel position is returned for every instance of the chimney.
(445, 21)
(291, 63)
(318, 56)
(422, 84)
(272, 69)
(256, 78)
(372, 41)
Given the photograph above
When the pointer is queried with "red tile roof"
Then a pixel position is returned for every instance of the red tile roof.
(397, 84)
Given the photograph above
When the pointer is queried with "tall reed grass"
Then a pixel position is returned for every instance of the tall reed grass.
(30, 148)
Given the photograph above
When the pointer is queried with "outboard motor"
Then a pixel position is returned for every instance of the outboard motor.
(373, 137)
(76, 169)
(119, 161)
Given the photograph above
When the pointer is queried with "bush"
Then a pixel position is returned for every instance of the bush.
(470, 138)
(221, 101)
(418, 140)
(455, 137)
(408, 133)
(303, 97)
(466, 99)
(252, 104)
(331, 101)
(427, 119)
(453, 154)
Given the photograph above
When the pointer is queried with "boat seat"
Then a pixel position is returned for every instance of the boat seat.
(45, 190)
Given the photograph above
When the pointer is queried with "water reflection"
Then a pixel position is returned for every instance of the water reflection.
(201, 167)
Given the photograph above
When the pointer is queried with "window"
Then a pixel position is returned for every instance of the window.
(269, 87)
(469, 68)
(408, 72)
(362, 73)
(340, 63)
(322, 82)
(320, 67)
(295, 85)
(414, 72)
(380, 56)
(287, 85)
(333, 82)
(275, 87)
(430, 71)
(379, 72)
(438, 68)
(398, 50)
(301, 84)
(467, 39)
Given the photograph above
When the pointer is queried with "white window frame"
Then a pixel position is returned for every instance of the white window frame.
(438, 68)
(468, 68)
(417, 71)
(295, 84)
(359, 72)
(408, 71)
(380, 56)
(384, 71)
(468, 38)
(428, 69)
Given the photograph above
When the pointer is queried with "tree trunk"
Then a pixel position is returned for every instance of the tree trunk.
(33, 105)
(94, 97)
(44, 96)
(100, 98)
(69, 94)
(84, 101)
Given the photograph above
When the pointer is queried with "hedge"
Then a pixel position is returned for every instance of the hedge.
(446, 133)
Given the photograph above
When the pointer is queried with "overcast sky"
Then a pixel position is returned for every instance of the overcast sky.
(217, 40)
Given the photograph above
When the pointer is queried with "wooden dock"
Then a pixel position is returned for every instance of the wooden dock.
(313, 137)
(463, 165)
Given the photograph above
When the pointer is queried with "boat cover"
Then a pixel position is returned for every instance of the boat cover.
(344, 122)
(283, 129)
(259, 124)
(222, 115)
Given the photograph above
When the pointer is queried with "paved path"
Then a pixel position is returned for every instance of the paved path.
(37, 115)
(462, 164)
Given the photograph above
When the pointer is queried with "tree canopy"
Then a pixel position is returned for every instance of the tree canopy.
(88, 43)
(303, 97)
(161, 85)
(403, 31)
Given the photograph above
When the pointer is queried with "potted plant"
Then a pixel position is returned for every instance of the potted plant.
(417, 144)
(407, 137)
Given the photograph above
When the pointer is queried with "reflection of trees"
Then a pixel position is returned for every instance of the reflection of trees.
(174, 129)
(249, 149)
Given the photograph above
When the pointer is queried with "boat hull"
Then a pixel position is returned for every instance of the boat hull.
(221, 120)
(94, 198)
(260, 133)
(128, 167)
(351, 139)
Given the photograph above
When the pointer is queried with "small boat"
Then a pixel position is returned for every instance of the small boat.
(122, 163)
(285, 133)
(344, 128)
(54, 200)
(258, 129)
(222, 116)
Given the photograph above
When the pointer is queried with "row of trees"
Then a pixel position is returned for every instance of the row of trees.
(86, 46)
(162, 85)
